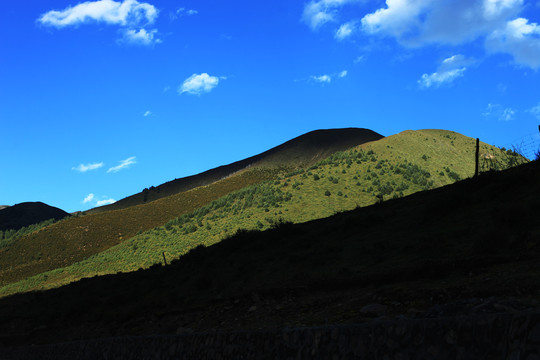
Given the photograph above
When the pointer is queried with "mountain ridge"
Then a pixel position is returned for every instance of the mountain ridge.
(303, 150)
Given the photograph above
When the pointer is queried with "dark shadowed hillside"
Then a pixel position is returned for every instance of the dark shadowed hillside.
(301, 151)
(460, 244)
(28, 213)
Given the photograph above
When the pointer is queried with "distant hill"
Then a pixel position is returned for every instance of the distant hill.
(301, 151)
(28, 213)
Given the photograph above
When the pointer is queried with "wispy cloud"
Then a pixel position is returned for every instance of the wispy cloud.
(124, 164)
(319, 12)
(105, 202)
(129, 14)
(88, 167)
(322, 78)
(88, 198)
(197, 84)
(141, 37)
(535, 111)
(346, 30)
(181, 12)
(449, 70)
(326, 78)
(499, 112)
(147, 113)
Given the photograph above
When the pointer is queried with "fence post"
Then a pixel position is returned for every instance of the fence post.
(477, 158)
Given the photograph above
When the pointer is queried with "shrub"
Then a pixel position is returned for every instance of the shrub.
(327, 193)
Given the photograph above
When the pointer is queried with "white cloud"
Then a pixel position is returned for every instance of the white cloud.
(197, 84)
(125, 13)
(438, 78)
(88, 198)
(166, 88)
(87, 167)
(147, 113)
(345, 30)
(420, 22)
(499, 112)
(535, 111)
(181, 12)
(359, 59)
(123, 165)
(450, 69)
(343, 74)
(141, 37)
(322, 78)
(520, 39)
(319, 12)
(129, 14)
(105, 202)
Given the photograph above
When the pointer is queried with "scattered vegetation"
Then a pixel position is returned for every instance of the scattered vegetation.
(7, 237)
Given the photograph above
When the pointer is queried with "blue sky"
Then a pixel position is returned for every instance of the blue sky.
(101, 99)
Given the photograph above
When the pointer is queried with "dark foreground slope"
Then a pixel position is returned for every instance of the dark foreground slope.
(28, 213)
(302, 151)
(467, 247)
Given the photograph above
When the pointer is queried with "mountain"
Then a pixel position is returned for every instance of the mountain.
(28, 213)
(139, 236)
(80, 237)
(2, 207)
(466, 247)
(301, 151)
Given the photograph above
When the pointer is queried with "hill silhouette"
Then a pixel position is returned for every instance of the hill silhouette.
(302, 151)
(28, 213)
(477, 238)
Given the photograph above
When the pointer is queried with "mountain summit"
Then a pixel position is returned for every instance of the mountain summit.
(302, 151)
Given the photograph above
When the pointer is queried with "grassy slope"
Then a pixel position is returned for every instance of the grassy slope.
(301, 151)
(474, 239)
(392, 167)
(77, 238)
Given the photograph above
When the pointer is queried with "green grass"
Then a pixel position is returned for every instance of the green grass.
(8, 237)
(393, 167)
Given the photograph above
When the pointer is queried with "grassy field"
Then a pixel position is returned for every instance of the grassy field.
(390, 168)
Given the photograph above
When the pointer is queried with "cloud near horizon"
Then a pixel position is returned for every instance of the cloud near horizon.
(84, 168)
(105, 202)
(124, 164)
(88, 198)
(128, 14)
(197, 84)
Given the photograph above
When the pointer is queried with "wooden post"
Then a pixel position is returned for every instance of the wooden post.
(477, 158)
(164, 260)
